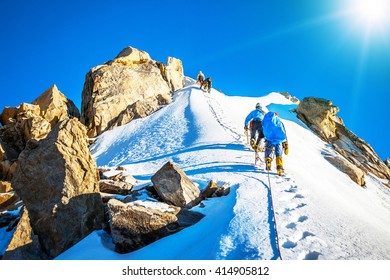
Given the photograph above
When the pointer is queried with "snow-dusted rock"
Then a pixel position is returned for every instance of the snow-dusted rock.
(133, 226)
(174, 187)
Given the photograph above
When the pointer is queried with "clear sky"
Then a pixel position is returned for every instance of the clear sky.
(333, 49)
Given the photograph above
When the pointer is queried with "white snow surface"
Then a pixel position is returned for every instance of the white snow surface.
(314, 212)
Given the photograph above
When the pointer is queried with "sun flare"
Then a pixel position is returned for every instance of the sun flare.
(371, 13)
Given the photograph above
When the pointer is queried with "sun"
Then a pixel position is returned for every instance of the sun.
(372, 13)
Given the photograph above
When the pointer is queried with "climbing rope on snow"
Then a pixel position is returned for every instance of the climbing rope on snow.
(273, 212)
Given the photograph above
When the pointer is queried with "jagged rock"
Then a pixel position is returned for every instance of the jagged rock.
(33, 126)
(387, 162)
(139, 109)
(174, 187)
(320, 115)
(24, 244)
(289, 97)
(133, 227)
(58, 182)
(115, 187)
(222, 190)
(355, 173)
(112, 88)
(55, 107)
(26, 124)
(210, 189)
(174, 73)
(8, 114)
(7, 199)
(5, 186)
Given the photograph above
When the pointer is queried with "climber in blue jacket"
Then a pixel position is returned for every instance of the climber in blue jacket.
(276, 138)
(255, 118)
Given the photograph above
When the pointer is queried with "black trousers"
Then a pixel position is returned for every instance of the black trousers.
(257, 127)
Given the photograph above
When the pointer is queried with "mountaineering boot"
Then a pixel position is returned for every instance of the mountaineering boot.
(279, 166)
(259, 148)
(253, 143)
(268, 161)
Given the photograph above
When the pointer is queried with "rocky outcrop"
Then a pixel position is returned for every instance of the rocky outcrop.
(174, 187)
(320, 115)
(289, 97)
(355, 173)
(387, 162)
(133, 226)
(140, 109)
(58, 182)
(212, 190)
(30, 121)
(112, 88)
(55, 107)
(23, 124)
(115, 187)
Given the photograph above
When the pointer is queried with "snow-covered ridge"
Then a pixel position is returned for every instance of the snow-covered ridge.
(315, 212)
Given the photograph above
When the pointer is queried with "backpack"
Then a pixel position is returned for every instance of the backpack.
(273, 128)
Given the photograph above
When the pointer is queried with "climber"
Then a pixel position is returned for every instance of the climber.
(255, 118)
(276, 138)
(207, 85)
(200, 78)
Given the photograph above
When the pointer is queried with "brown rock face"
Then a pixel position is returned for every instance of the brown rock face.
(355, 173)
(55, 107)
(24, 244)
(320, 115)
(133, 227)
(174, 187)
(58, 182)
(112, 88)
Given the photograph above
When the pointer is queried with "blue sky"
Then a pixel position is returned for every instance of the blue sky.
(250, 48)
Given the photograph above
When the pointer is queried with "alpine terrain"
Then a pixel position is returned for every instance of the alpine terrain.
(314, 212)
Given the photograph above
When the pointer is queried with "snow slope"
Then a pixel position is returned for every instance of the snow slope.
(315, 212)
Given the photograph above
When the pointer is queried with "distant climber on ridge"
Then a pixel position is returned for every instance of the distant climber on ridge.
(255, 119)
(200, 78)
(207, 85)
(276, 138)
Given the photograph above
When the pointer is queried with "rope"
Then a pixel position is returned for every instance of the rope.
(273, 212)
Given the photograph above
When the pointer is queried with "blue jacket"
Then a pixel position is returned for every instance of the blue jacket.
(254, 115)
(273, 129)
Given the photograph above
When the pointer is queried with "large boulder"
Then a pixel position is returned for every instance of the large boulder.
(58, 181)
(320, 115)
(174, 187)
(55, 106)
(133, 226)
(110, 89)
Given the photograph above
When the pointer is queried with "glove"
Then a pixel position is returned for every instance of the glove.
(285, 147)
(246, 127)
